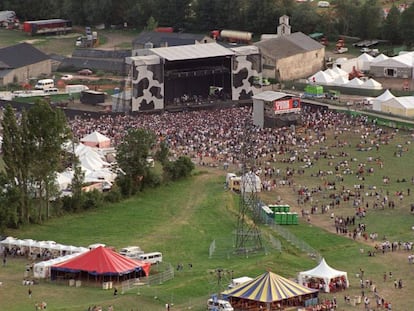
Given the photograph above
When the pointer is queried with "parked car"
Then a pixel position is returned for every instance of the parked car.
(67, 77)
(85, 72)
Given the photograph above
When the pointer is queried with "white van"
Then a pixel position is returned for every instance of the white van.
(131, 251)
(219, 304)
(153, 258)
(45, 84)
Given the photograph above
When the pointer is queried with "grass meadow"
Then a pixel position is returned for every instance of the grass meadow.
(182, 219)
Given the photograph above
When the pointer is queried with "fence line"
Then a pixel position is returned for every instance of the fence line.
(153, 279)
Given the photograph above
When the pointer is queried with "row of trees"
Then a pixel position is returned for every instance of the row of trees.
(360, 18)
(33, 153)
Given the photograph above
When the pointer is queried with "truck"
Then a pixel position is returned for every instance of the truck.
(47, 26)
(314, 91)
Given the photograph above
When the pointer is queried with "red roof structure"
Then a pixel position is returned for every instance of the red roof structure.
(102, 262)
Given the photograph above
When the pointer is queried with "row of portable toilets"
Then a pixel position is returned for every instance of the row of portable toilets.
(281, 214)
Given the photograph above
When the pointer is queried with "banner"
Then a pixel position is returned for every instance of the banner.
(286, 105)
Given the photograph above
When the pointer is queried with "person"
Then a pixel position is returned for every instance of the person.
(167, 307)
(4, 261)
(29, 291)
(115, 291)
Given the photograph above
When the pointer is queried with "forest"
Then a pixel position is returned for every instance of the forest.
(364, 19)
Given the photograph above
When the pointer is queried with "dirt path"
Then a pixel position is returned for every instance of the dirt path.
(116, 41)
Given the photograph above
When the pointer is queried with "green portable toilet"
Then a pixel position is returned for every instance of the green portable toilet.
(283, 220)
(278, 218)
(295, 219)
(286, 208)
(289, 219)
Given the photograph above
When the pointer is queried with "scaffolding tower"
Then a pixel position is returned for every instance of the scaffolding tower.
(248, 234)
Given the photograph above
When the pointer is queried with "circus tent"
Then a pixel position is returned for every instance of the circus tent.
(101, 264)
(270, 289)
(327, 274)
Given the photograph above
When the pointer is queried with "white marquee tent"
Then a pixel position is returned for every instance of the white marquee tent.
(340, 72)
(341, 80)
(331, 72)
(320, 78)
(364, 61)
(250, 182)
(355, 82)
(372, 85)
(377, 101)
(325, 272)
(379, 58)
(96, 139)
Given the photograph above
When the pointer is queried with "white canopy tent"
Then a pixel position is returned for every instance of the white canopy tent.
(364, 61)
(320, 78)
(340, 72)
(341, 80)
(372, 85)
(96, 139)
(355, 83)
(377, 101)
(331, 72)
(379, 58)
(326, 273)
(250, 182)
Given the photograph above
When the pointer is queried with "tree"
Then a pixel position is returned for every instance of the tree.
(305, 18)
(16, 157)
(370, 20)
(162, 154)
(151, 24)
(132, 156)
(391, 26)
(47, 131)
(178, 169)
(407, 25)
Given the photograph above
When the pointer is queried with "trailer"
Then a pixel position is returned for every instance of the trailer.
(47, 26)
(233, 36)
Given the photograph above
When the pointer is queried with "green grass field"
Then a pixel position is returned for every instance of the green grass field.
(182, 219)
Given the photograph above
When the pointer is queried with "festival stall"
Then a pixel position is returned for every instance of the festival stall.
(325, 278)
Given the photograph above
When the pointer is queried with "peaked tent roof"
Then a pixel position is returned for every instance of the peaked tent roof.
(323, 271)
(321, 77)
(384, 96)
(269, 287)
(103, 261)
(340, 72)
(341, 80)
(355, 82)
(95, 137)
(372, 85)
(379, 58)
(365, 57)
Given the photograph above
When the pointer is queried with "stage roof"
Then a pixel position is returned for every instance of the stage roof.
(193, 51)
(269, 96)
